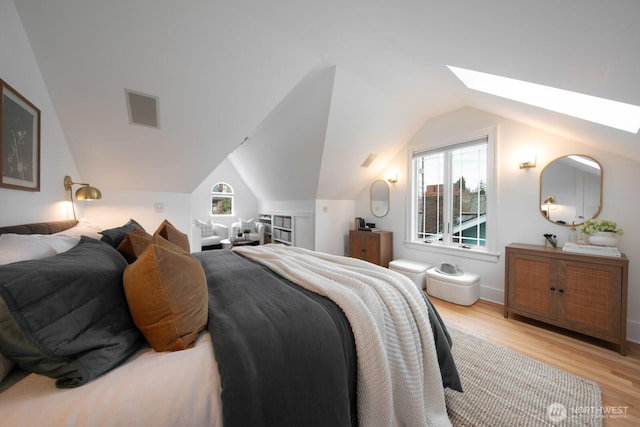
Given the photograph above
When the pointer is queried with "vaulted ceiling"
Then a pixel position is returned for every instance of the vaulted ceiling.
(314, 86)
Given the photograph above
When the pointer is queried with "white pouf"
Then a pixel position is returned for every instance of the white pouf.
(463, 289)
(414, 270)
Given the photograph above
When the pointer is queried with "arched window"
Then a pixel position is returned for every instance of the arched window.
(222, 199)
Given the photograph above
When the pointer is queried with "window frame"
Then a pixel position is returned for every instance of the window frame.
(220, 194)
(489, 252)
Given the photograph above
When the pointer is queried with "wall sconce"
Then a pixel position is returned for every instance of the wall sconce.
(86, 192)
(392, 177)
(528, 164)
(528, 158)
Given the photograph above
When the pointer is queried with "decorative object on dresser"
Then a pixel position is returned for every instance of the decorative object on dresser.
(592, 249)
(19, 141)
(373, 246)
(601, 232)
(580, 292)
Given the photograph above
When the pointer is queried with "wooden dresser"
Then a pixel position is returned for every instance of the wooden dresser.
(582, 293)
(373, 246)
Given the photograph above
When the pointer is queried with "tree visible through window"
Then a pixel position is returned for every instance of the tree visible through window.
(222, 199)
(450, 203)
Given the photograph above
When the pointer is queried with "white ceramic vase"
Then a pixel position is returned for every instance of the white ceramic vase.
(603, 238)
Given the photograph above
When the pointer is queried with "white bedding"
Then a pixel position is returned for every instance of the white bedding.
(399, 381)
(152, 389)
(398, 378)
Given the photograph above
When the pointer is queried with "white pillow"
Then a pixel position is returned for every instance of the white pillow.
(83, 228)
(244, 224)
(23, 247)
(206, 227)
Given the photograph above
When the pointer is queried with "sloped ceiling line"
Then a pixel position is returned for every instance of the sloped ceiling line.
(222, 67)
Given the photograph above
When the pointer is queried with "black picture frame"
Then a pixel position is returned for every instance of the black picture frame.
(19, 141)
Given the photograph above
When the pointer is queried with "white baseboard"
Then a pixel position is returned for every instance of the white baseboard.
(497, 296)
(633, 331)
(492, 294)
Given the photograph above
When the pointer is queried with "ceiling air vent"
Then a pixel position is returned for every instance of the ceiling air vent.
(143, 109)
(367, 162)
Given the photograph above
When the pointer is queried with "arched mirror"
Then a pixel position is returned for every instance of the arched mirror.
(379, 198)
(571, 189)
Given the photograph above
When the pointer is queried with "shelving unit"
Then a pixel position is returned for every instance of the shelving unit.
(282, 229)
(266, 219)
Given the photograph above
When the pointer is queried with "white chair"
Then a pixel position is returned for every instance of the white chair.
(211, 234)
(256, 231)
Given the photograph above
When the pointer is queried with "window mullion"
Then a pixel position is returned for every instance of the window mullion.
(448, 200)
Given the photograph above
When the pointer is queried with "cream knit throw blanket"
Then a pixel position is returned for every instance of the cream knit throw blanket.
(399, 382)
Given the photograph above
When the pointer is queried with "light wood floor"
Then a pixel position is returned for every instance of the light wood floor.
(618, 376)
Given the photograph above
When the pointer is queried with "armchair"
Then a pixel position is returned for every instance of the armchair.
(256, 230)
(210, 234)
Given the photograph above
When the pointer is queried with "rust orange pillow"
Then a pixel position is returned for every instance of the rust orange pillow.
(166, 291)
(172, 234)
(134, 244)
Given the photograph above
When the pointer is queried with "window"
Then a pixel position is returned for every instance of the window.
(222, 199)
(449, 204)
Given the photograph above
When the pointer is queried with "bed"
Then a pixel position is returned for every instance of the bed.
(267, 335)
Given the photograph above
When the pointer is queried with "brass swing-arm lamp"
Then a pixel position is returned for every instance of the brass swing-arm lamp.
(86, 192)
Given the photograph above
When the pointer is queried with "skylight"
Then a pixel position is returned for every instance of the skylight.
(585, 161)
(598, 110)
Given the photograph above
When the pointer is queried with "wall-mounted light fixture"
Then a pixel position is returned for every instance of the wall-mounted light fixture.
(528, 164)
(392, 177)
(85, 192)
(528, 160)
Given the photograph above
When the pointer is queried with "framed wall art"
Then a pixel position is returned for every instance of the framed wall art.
(19, 141)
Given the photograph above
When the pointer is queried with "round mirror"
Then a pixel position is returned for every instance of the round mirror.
(571, 189)
(379, 198)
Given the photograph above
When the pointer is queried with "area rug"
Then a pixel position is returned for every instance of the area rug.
(505, 388)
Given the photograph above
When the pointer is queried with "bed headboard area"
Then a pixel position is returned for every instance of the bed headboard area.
(40, 227)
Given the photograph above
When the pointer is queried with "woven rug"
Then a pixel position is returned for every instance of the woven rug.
(504, 388)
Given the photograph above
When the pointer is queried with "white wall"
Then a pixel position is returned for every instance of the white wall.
(519, 219)
(334, 219)
(245, 202)
(148, 208)
(19, 69)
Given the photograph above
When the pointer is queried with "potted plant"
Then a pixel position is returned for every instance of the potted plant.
(601, 232)
(247, 233)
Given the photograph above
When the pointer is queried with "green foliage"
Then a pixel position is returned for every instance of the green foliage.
(591, 226)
